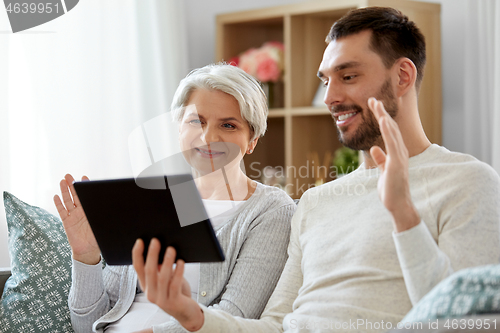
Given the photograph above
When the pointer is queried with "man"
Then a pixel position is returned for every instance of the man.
(367, 247)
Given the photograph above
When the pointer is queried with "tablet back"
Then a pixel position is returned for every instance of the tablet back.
(168, 207)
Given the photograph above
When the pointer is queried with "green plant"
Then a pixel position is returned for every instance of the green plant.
(345, 160)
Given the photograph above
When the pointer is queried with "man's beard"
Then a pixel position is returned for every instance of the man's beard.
(368, 133)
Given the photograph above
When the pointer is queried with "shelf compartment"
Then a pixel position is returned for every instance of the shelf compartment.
(310, 134)
(307, 44)
(239, 37)
(270, 150)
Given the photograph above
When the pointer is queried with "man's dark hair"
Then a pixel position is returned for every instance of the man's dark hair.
(393, 35)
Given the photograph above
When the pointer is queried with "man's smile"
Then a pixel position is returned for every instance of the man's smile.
(343, 119)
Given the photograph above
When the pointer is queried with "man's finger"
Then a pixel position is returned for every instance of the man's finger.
(398, 139)
(383, 118)
(393, 139)
(378, 157)
(377, 107)
(388, 136)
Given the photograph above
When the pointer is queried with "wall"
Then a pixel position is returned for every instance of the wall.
(200, 19)
(453, 14)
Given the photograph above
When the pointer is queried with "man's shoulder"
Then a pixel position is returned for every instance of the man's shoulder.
(440, 156)
(442, 163)
(436, 154)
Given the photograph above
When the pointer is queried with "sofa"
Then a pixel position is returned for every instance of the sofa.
(36, 300)
(468, 324)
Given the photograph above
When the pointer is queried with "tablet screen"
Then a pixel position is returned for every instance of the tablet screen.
(169, 208)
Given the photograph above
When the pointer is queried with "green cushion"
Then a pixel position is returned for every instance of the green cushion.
(470, 291)
(35, 297)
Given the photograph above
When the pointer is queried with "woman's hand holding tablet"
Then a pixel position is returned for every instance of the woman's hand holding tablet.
(166, 286)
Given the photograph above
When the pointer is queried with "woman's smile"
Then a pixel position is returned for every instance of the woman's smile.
(209, 153)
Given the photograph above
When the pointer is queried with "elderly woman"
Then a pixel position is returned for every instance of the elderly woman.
(222, 113)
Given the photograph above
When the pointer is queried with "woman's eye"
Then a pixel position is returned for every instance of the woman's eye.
(229, 126)
(195, 122)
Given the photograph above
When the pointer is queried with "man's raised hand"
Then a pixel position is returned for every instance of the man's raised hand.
(393, 184)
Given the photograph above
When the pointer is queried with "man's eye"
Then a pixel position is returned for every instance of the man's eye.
(195, 122)
(349, 77)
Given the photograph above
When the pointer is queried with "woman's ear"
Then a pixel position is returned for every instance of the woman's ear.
(406, 76)
(251, 145)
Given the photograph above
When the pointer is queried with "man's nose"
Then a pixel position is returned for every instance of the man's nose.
(333, 94)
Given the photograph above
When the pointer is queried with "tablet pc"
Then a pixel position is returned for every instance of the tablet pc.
(169, 208)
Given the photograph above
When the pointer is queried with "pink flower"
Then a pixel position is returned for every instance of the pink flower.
(268, 70)
(264, 63)
(247, 62)
(234, 61)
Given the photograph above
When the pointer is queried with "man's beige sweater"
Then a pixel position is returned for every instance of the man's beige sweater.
(348, 271)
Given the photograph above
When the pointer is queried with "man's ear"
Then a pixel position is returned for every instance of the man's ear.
(406, 73)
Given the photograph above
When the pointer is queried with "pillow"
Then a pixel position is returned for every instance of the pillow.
(469, 291)
(35, 297)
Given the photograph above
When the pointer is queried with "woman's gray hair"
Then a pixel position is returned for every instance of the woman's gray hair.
(230, 80)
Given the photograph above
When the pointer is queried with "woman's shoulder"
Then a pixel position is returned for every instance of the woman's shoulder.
(271, 197)
(267, 205)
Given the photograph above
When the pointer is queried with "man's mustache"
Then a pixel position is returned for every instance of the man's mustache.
(345, 107)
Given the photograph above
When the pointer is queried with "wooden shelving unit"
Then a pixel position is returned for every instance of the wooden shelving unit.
(299, 129)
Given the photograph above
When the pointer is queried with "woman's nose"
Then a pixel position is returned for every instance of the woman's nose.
(209, 134)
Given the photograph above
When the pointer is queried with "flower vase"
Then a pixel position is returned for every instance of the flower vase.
(268, 88)
(274, 94)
